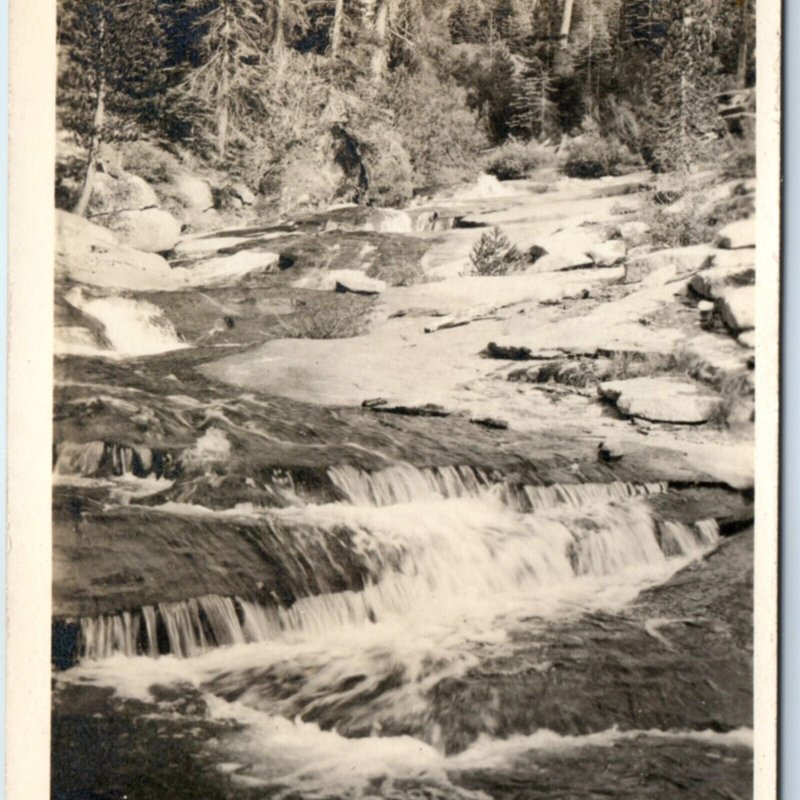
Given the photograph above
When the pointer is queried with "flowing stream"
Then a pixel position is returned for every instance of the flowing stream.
(454, 562)
(356, 625)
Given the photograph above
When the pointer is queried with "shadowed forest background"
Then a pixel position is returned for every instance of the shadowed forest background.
(307, 102)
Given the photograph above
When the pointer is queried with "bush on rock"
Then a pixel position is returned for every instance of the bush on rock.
(494, 254)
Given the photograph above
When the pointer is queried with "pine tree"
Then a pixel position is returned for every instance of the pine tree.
(468, 22)
(225, 86)
(688, 84)
(534, 113)
(645, 24)
(591, 46)
(494, 254)
(498, 89)
(112, 79)
(510, 22)
(282, 18)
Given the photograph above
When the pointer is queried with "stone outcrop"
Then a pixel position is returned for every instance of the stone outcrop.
(190, 192)
(351, 280)
(91, 254)
(742, 259)
(747, 339)
(424, 410)
(125, 193)
(661, 399)
(736, 306)
(360, 284)
(633, 232)
(737, 235)
(608, 254)
(313, 177)
(555, 262)
(712, 283)
(128, 205)
(244, 193)
(671, 263)
(151, 229)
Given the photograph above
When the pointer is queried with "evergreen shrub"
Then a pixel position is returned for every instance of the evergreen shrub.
(494, 254)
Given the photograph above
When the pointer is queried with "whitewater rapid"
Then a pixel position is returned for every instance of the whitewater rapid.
(455, 560)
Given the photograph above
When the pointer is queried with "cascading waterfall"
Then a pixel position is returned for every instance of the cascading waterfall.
(403, 483)
(132, 327)
(437, 540)
(99, 458)
(82, 459)
(184, 628)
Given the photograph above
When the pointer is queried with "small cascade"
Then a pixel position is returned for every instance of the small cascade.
(675, 538)
(394, 220)
(404, 483)
(132, 327)
(429, 221)
(542, 498)
(98, 458)
(84, 459)
(185, 629)
(73, 340)
(432, 558)
(103, 636)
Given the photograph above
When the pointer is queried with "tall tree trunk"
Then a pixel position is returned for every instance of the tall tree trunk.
(336, 32)
(744, 45)
(542, 108)
(224, 99)
(94, 149)
(278, 40)
(380, 54)
(566, 23)
(741, 65)
(683, 129)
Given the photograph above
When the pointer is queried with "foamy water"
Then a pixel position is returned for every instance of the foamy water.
(132, 327)
(457, 566)
(455, 559)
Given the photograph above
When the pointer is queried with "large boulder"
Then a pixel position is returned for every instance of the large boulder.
(90, 254)
(670, 263)
(747, 339)
(151, 229)
(80, 236)
(244, 193)
(712, 283)
(733, 259)
(125, 193)
(226, 270)
(189, 199)
(608, 254)
(334, 168)
(350, 280)
(633, 232)
(661, 399)
(309, 182)
(566, 249)
(189, 191)
(555, 262)
(737, 307)
(737, 234)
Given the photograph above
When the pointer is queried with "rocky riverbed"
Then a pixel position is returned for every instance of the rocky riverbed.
(334, 517)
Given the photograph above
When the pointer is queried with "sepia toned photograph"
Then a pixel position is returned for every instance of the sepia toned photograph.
(404, 368)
